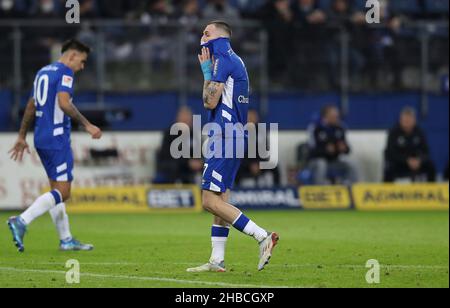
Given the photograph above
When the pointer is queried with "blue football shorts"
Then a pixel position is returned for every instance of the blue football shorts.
(58, 164)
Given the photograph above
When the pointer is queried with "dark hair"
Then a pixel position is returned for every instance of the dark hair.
(326, 109)
(74, 44)
(222, 25)
(408, 110)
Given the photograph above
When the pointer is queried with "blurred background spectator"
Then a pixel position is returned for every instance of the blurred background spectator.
(309, 37)
(342, 15)
(182, 170)
(221, 9)
(306, 45)
(250, 174)
(299, 53)
(329, 149)
(308, 13)
(188, 12)
(12, 9)
(407, 154)
(278, 19)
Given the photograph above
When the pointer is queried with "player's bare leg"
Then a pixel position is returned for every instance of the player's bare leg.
(218, 220)
(219, 236)
(61, 220)
(215, 204)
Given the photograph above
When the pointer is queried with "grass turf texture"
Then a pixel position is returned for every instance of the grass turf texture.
(317, 249)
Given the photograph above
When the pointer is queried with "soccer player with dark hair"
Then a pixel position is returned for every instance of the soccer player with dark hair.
(50, 105)
(226, 97)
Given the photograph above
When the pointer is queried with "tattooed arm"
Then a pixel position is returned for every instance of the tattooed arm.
(21, 145)
(28, 119)
(212, 91)
(72, 111)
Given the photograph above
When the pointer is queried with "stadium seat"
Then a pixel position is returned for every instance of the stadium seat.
(325, 5)
(234, 3)
(360, 5)
(249, 6)
(410, 7)
(436, 6)
(21, 5)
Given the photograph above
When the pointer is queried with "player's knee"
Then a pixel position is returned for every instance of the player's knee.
(208, 201)
(66, 196)
(207, 206)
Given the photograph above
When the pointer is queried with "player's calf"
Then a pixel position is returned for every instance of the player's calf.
(209, 201)
(214, 204)
(64, 188)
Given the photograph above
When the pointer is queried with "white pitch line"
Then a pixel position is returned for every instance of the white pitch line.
(82, 263)
(400, 266)
(418, 267)
(437, 267)
(159, 279)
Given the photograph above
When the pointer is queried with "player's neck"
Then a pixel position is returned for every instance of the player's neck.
(64, 60)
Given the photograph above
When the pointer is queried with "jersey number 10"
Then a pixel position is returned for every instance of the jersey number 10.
(41, 90)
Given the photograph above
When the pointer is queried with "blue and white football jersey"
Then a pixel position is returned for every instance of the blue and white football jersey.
(220, 172)
(53, 127)
(230, 70)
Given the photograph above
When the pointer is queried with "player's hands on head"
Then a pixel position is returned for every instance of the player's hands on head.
(94, 131)
(19, 149)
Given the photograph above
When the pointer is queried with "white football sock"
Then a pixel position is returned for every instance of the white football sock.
(218, 249)
(41, 206)
(61, 221)
(258, 233)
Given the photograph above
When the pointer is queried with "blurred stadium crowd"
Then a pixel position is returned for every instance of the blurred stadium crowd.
(310, 45)
(301, 11)
(303, 35)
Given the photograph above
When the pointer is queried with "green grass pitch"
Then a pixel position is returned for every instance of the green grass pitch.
(317, 249)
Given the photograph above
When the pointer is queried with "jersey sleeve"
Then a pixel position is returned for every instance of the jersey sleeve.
(65, 82)
(221, 70)
(32, 94)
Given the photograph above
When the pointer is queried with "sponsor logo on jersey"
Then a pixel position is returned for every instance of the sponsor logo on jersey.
(216, 67)
(67, 81)
(243, 100)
